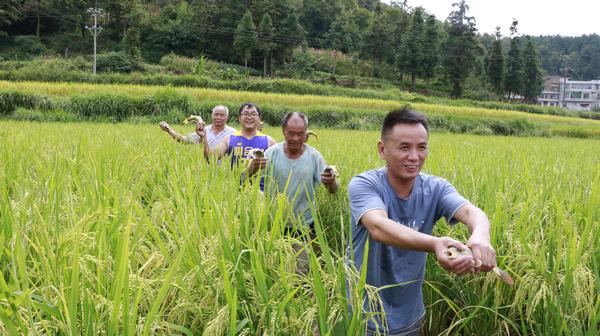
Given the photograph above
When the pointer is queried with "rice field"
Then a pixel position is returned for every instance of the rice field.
(289, 100)
(113, 229)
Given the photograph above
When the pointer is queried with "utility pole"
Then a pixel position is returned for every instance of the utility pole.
(564, 86)
(95, 29)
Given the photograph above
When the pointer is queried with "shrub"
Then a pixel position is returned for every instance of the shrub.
(119, 107)
(11, 100)
(178, 64)
(29, 45)
(114, 62)
(56, 115)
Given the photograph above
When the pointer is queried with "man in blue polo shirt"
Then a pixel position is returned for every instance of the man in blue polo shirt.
(394, 209)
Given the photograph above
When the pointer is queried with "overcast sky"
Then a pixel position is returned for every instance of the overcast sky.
(536, 17)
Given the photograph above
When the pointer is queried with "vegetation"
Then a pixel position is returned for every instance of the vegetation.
(390, 40)
(115, 229)
(152, 103)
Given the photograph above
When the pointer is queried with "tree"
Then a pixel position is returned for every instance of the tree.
(342, 36)
(245, 39)
(131, 40)
(291, 35)
(8, 12)
(513, 80)
(532, 81)
(39, 8)
(588, 62)
(317, 17)
(413, 52)
(459, 47)
(495, 64)
(266, 35)
(430, 48)
(375, 40)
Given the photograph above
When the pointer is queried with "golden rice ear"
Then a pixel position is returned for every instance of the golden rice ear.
(257, 153)
(194, 119)
(309, 133)
(333, 170)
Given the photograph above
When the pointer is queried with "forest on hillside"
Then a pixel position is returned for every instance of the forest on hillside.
(270, 38)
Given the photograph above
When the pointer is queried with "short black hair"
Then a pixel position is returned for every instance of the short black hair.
(249, 105)
(402, 116)
(288, 115)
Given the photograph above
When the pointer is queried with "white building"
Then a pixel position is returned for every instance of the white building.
(574, 95)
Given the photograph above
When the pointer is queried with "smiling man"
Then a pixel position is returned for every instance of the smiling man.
(394, 209)
(296, 169)
(241, 143)
(215, 132)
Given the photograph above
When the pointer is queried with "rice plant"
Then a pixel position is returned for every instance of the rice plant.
(116, 229)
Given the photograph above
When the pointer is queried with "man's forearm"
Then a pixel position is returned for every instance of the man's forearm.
(176, 136)
(386, 231)
(477, 222)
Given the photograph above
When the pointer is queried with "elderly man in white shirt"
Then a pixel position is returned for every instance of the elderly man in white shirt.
(215, 132)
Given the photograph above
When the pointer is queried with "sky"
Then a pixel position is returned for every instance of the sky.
(536, 17)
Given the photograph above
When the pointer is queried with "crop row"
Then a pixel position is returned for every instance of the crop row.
(123, 102)
(117, 229)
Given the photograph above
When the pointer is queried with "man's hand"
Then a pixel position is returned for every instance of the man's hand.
(327, 178)
(329, 181)
(200, 130)
(460, 266)
(483, 254)
(256, 164)
(164, 126)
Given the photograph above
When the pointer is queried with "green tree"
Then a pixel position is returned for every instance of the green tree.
(246, 38)
(9, 12)
(513, 80)
(413, 52)
(131, 40)
(317, 16)
(266, 36)
(375, 39)
(459, 47)
(495, 64)
(532, 81)
(290, 35)
(342, 36)
(588, 62)
(431, 51)
(40, 8)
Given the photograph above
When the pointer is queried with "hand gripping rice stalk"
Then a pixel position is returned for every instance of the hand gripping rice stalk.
(332, 170)
(454, 253)
(195, 119)
(254, 154)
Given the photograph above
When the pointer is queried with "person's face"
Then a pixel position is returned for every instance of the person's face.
(249, 118)
(219, 117)
(404, 149)
(294, 133)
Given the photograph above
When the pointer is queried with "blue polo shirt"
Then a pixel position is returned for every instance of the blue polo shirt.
(431, 199)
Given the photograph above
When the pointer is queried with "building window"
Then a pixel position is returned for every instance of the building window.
(584, 105)
(576, 95)
(586, 96)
